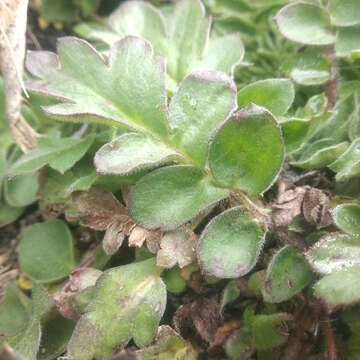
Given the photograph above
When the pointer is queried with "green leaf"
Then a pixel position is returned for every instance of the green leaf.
(26, 343)
(46, 252)
(59, 11)
(9, 214)
(204, 100)
(223, 54)
(56, 333)
(309, 68)
(230, 293)
(139, 18)
(276, 95)
(344, 13)
(133, 295)
(347, 166)
(59, 153)
(247, 151)
(354, 122)
(132, 152)
(288, 273)
(14, 311)
(168, 346)
(347, 41)
(294, 132)
(239, 345)
(230, 245)
(320, 154)
(188, 32)
(269, 331)
(339, 288)
(334, 252)
(93, 89)
(22, 190)
(347, 218)
(169, 197)
(305, 23)
(173, 280)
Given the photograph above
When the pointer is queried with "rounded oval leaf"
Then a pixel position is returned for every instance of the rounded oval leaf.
(288, 273)
(169, 197)
(305, 23)
(334, 252)
(347, 218)
(344, 13)
(132, 152)
(276, 95)
(22, 190)
(230, 244)
(340, 287)
(247, 151)
(46, 251)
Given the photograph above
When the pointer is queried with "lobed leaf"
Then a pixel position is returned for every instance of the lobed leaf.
(133, 295)
(276, 95)
(126, 90)
(230, 245)
(287, 274)
(46, 252)
(132, 152)
(204, 100)
(247, 151)
(169, 197)
(305, 23)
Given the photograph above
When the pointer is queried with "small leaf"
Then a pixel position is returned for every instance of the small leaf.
(269, 331)
(188, 36)
(173, 280)
(14, 311)
(305, 23)
(294, 131)
(247, 151)
(334, 252)
(59, 153)
(347, 166)
(344, 13)
(223, 54)
(168, 346)
(46, 251)
(347, 41)
(204, 100)
(169, 197)
(26, 343)
(93, 89)
(139, 18)
(276, 95)
(132, 152)
(239, 345)
(135, 296)
(339, 288)
(287, 274)
(176, 247)
(9, 214)
(22, 190)
(320, 154)
(347, 218)
(309, 68)
(230, 244)
(230, 293)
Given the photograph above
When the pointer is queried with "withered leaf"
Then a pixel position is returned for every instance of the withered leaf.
(176, 247)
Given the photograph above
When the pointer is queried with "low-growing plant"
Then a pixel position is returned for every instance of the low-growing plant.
(172, 176)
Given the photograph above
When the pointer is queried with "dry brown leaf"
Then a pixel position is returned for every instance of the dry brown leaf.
(13, 19)
(176, 247)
